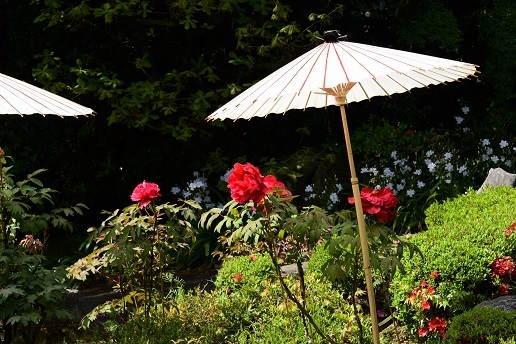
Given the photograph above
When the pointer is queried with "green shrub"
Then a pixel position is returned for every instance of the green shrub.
(241, 316)
(464, 237)
(245, 273)
(318, 269)
(281, 322)
(482, 325)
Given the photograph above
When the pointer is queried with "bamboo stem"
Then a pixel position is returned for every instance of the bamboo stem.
(361, 229)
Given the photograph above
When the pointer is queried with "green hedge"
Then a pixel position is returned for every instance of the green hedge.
(482, 325)
(464, 237)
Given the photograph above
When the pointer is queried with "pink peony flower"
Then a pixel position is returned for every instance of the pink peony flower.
(237, 277)
(144, 193)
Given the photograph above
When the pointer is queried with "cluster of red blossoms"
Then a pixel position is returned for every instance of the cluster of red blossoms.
(144, 193)
(378, 202)
(503, 268)
(511, 229)
(421, 294)
(248, 184)
(419, 297)
(434, 325)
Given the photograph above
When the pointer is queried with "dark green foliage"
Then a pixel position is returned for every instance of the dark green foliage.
(482, 325)
(30, 292)
(464, 237)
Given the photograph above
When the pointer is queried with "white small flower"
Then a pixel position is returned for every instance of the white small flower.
(489, 150)
(504, 144)
(196, 174)
(459, 119)
(339, 187)
(374, 171)
(390, 186)
(465, 109)
(485, 142)
(198, 199)
(494, 159)
(448, 181)
(485, 157)
(449, 167)
(466, 130)
(394, 154)
(508, 163)
(225, 177)
(334, 198)
(410, 192)
(186, 194)
(420, 184)
(448, 155)
(429, 153)
(417, 172)
(175, 190)
(431, 166)
(388, 173)
(397, 162)
(309, 188)
(364, 170)
(400, 187)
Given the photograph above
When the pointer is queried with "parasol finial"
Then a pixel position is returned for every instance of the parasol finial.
(332, 36)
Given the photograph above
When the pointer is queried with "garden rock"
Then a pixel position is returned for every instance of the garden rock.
(498, 177)
(291, 269)
(506, 303)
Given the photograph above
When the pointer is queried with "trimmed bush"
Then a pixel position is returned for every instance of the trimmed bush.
(245, 273)
(482, 325)
(465, 235)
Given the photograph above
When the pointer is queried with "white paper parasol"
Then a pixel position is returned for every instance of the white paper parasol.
(337, 73)
(20, 98)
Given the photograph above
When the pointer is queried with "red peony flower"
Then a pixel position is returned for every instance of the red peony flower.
(144, 193)
(422, 331)
(277, 188)
(252, 257)
(425, 304)
(247, 184)
(378, 202)
(504, 289)
(237, 277)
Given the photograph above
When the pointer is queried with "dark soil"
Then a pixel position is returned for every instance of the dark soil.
(81, 301)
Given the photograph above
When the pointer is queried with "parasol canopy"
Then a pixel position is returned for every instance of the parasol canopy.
(20, 98)
(367, 71)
